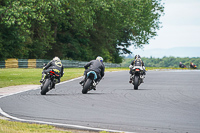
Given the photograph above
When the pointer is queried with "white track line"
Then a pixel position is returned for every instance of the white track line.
(16, 93)
(57, 124)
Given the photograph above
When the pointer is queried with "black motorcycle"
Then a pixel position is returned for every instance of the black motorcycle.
(193, 66)
(137, 76)
(49, 82)
(89, 83)
(182, 66)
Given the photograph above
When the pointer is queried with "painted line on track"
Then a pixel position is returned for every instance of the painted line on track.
(16, 93)
(57, 124)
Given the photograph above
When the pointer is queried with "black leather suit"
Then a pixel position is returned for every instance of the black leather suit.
(96, 66)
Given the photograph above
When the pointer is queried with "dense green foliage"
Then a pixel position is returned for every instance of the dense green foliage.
(165, 62)
(76, 29)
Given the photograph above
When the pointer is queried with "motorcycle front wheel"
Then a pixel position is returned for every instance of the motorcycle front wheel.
(45, 87)
(86, 86)
(136, 82)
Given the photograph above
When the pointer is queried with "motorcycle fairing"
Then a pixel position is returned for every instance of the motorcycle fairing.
(93, 72)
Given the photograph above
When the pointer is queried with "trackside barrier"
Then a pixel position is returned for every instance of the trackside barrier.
(23, 63)
(39, 63)
(31, 63)
(2, 64)
(11, 63)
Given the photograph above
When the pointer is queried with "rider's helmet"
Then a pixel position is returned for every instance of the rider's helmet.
(137, 56)
(56, 59)
(99, 58)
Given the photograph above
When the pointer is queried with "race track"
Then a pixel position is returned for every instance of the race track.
(168, 102)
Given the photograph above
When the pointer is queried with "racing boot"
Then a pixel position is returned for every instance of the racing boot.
(130, 81)
(82, 81)
(43, 76)
(53, 87)
(58, 80)
(94, 88)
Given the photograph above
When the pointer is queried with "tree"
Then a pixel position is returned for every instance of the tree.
(78, 29)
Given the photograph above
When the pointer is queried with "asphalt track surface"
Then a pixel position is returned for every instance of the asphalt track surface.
(168, 102)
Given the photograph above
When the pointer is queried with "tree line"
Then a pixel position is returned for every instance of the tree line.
(76, 29)
(165, 61)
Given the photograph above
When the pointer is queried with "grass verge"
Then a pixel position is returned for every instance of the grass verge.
(19, 127)
(13, 127)
(165, 68)
(23, 76)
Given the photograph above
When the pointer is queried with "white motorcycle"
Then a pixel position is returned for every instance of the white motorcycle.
(138, 75)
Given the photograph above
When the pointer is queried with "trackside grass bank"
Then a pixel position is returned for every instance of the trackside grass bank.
(27, 76)
(19, 127)
(23, 76)
(13, 127)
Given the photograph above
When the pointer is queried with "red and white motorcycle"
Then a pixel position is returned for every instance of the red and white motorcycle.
(137, 76)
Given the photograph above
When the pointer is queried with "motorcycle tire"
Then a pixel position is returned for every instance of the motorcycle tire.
(86, 86)
(45, 87)
(136, 82)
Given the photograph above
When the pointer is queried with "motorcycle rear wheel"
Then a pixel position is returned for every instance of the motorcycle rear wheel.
(45, 87)
(86, 86)
(136, 82)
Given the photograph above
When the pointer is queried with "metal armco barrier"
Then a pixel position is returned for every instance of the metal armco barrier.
(2, 64)
(23, 63)
(39, 63)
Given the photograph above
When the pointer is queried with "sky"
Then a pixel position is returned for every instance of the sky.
(180, 27)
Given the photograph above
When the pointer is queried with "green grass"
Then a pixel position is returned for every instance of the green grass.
(165, 68)
(19, 127)
(22, 76)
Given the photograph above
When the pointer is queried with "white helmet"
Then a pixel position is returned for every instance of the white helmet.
(99, 58)
(56, 59)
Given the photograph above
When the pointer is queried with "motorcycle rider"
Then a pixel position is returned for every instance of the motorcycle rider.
(192, 65)
(97, 66)
(57, 66)
(181, 65)
(137, 62)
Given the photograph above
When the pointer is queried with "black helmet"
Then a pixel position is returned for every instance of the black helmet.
(137, 56)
